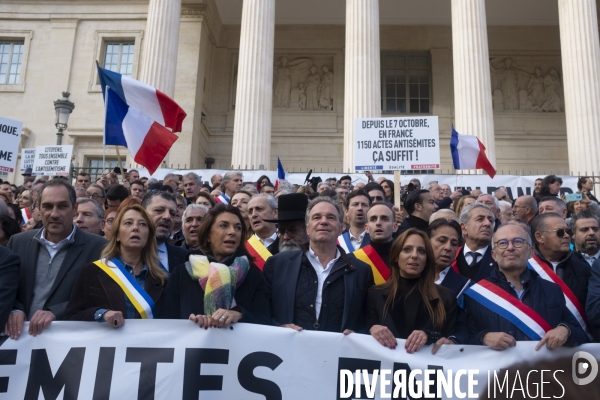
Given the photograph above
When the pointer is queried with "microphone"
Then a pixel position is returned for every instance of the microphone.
(308, 176)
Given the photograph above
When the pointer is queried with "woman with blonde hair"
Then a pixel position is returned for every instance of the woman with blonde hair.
(462, 203)
(410, 305)
(127, 282)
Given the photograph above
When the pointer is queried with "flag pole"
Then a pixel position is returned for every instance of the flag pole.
(119, 161)
(397, 199)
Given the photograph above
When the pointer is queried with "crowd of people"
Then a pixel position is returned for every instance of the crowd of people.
(450, 267)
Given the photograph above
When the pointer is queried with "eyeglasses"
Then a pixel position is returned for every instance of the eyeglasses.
(516, 242)
(94, 196)
(376, 198)
(560, 232)
(290, 231)
(110, 221)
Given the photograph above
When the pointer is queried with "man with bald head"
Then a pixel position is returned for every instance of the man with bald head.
(553, 240)
(525, 208)
(491, 324)
(381, 226)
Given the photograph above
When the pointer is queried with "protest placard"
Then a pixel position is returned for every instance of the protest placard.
(52, 160)
(27, 158)
(408, 143)
(10, 136)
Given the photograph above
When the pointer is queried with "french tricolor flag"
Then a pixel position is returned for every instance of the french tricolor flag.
(136, 115)
(469, 153)
(280, 174)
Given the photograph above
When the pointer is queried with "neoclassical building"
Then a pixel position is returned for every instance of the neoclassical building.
(261, 79)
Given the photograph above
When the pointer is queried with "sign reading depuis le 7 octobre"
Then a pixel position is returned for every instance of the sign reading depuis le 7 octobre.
(396, 143)
(10, 136)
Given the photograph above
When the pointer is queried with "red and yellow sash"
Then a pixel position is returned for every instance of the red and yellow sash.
(258, 251)
(381, 272)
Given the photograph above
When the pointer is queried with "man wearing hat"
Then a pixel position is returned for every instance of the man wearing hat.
(292, 230)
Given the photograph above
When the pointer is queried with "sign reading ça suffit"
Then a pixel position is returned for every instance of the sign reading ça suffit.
(10, 136)
(52, 160)
(396, 144)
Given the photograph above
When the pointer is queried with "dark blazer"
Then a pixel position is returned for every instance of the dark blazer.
(86, 248)
(274, 247)
(592, 307)
(486, 265)
(9, 282)
(545, 297)
(376, 303)
(176, 255)
(282, 271)
(576, 274)
(454, 281)
(184, 296)
(94, 289)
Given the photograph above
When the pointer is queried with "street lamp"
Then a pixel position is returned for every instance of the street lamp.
(63, 108)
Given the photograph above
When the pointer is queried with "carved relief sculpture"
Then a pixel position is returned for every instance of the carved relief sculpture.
(284, 70)
(326, 99)
(312, 84)
(508, 77)
(553, 90)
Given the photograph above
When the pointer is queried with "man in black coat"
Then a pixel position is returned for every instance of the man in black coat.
(323, 289)
(419, 205)
(553, 242)
(162, 207)
(51, 259)
(474, 260)
(512, 249)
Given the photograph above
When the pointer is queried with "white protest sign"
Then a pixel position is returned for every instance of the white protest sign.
(408, 143)
(10, 136)
(27, 158)
(52, 160)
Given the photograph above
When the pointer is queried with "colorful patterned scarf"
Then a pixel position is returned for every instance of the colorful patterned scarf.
(218, 281)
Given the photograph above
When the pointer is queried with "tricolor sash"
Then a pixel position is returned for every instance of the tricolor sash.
(546, 272)
(455, 262)
(500, 302)
(345, 243)
(258, 251)
(222, 198)
(142, 302)
(381, 272)
(26, 213)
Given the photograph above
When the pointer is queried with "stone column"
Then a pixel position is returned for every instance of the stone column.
(159, 56)
(362, 90)
(254, 98)
(473, 113)
(581, 77)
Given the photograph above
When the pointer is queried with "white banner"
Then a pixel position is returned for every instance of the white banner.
(407, 143)
(10, 137)
(53, 160)
(177, 360)
(27, 159)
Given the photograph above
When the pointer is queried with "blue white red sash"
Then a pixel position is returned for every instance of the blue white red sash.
(504, 304)
(345, 243)
(142, 302)
(546, 272)
(222, 198)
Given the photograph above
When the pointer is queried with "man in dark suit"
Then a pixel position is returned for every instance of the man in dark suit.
(51, 259)
(322, 289)
(9, 281)
(162, 207)
(356, 206)
(474, 260)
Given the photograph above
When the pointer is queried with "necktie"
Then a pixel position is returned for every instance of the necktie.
(473, 254)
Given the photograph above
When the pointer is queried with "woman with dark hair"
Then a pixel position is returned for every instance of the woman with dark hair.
(127, 282)
(445, 236)
(240, 200)
(206, 200)
(219, 285)
(8, 227)
(388, 188)
(263, 180)
(15, 213)
(550, 186)
(410, 305)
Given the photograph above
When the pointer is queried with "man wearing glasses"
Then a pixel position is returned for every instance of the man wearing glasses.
(553, 241)
(291, 211)
(515, 304)
(96, 193)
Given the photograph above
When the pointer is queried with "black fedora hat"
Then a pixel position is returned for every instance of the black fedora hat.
(291, 207)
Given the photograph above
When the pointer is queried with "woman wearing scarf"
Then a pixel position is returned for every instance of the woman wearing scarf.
(219, 285)
(127, 282)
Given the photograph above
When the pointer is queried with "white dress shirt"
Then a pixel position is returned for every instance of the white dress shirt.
(469, 258)
(322, 274)
(268, 241)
